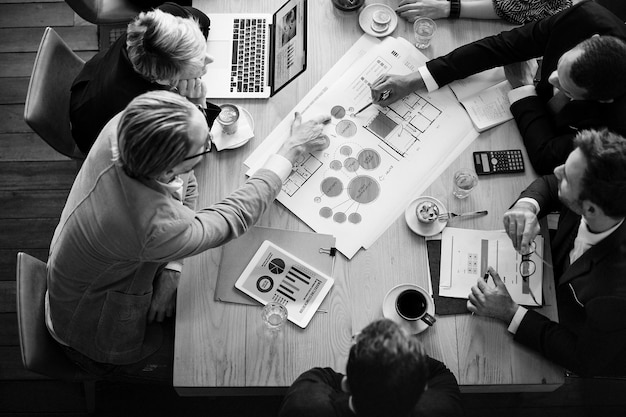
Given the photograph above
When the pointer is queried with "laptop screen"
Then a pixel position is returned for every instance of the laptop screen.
(289, 43)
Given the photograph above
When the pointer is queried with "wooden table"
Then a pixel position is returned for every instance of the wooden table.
(222, 349)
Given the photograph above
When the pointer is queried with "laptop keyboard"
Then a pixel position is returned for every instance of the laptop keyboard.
(248, 66)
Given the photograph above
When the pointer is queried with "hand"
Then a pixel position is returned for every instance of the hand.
(194, 89)
(492, 302)
(521, 73)
(164, 295)
(522, 226)
(397, 86)
(305, 137)
(412, 9)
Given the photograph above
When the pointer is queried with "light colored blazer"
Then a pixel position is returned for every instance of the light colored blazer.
(114, 235)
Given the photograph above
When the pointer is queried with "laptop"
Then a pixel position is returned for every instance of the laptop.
(256, 54)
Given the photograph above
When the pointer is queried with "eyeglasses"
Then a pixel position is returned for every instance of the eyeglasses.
(527, 267)
(207, 148)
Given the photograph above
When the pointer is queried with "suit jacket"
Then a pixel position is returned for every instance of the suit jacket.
(590, 338)
(108, 82)
(548, 137)
(318, 393)
(114, 234)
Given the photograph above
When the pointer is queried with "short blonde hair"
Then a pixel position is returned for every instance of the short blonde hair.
(161, 46)
(153, 134)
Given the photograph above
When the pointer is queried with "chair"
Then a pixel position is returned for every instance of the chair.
(104, 12)
(40, 352)
(48, 100)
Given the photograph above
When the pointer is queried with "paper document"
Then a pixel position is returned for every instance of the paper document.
(485, 98)
(377, 160)
(466, 255)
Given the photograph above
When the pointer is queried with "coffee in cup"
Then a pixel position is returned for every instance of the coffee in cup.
(412, 305)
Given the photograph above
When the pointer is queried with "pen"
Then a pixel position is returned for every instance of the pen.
(383, 96)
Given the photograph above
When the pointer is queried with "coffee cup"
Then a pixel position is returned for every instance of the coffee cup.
(412, 304)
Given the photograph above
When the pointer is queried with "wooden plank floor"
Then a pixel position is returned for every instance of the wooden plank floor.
(34, 183)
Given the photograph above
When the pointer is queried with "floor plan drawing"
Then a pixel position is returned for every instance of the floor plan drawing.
(377, 158)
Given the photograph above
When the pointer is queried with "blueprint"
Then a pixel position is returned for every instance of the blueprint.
(377, 160)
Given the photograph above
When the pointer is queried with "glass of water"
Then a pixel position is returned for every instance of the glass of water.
(464, 182)
(424, 29)
(274, 316)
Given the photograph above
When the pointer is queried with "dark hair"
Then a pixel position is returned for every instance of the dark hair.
(601, 68)
(386, 371)
(604, 179)
(153, 134)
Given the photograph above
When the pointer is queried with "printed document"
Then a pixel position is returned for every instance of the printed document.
(466, 255)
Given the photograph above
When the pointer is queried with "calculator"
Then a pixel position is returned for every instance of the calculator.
(498, 162)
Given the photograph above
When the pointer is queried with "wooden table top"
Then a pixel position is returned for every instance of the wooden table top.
(222, 348)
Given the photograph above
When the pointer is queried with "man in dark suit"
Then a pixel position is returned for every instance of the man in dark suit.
(163, 49)
(582, 86)
(387, 375)
(589, 254)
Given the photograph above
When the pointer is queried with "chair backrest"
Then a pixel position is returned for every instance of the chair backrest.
(40, 352)
(104, 12)
(48, 100)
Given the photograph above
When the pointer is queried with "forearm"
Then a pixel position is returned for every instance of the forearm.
(478, 9)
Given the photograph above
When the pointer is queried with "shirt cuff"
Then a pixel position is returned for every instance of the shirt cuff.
(431, 84)
(517, 319)
(279, 165)
(174, 266)
(519, 93)
(530, 201)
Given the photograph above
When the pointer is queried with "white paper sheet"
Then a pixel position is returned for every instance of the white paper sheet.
(466, 254)
(378, 160)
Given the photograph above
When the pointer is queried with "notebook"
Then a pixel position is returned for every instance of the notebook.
(256, 54)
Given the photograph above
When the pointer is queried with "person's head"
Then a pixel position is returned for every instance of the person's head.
(386, 372)
(161, 135)
(165, 48)
(595, 69)
(592, 182)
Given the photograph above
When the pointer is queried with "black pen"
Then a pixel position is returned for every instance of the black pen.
(486, 276)
(383, 96)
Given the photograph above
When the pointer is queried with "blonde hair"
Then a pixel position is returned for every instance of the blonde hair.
(161, 46)
(153, 133)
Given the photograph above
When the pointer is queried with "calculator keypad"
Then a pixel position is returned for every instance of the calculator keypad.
(506, 161)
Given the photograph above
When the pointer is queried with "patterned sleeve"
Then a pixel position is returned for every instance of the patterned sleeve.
(525, 11)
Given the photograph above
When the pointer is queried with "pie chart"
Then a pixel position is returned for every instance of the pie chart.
(276, 266)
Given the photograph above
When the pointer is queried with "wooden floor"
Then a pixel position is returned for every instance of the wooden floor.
(34, 183)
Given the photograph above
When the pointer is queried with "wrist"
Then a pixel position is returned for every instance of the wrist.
(525, 205)
(455, 9)
(416, 82)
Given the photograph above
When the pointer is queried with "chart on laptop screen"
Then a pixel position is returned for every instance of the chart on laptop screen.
(378, 158)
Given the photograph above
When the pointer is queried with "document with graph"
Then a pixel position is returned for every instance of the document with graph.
(467, 254)
(379, 159)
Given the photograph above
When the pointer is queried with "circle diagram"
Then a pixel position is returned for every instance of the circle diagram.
(354, 218)
(332, 186)
(336, 165)
(326, 212)
(264, 283)
(339, 217)
(338, 112)
(369, 159)
(346, 128)
(276, 266)
(363, 189)
(351, 164)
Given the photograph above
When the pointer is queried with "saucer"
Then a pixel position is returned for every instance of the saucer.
(245, 132)
(424, 229)
(366, 17)
(389, 309)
